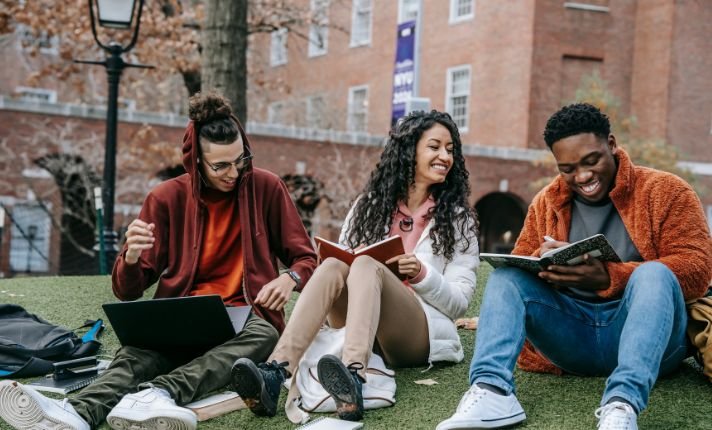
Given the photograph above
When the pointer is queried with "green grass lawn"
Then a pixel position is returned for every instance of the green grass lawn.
(681, 401)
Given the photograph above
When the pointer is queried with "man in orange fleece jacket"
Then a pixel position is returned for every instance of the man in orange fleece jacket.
(622, 320)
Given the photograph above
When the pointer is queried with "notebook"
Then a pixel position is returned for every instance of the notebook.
(64, 386)
(192, 324)
(329, 423)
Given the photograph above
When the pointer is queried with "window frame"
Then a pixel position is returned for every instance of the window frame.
(454, 8)
(356, 8)
(449, 94)
(350, 112)
(278, 44)
(319, 30)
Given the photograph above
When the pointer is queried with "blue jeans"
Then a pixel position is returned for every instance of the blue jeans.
(630, 340)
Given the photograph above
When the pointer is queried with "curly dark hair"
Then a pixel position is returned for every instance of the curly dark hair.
(576, 119)
(212, 114)
(394, 175)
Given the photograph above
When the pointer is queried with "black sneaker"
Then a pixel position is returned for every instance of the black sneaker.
(259, 386)
(344, 385)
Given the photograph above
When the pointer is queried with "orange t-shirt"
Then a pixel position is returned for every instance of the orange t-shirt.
(220, 265)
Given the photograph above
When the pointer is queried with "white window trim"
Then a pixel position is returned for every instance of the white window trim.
(586, 6)
(278, 37)
(26, 94)
(350, 112)
(354, 13)
(448, 93)
(271, 112)
(312, 116)
(315, 50)
(401, 12)
(454, 19)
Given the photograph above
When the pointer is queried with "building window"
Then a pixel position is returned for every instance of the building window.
(41, 95)
(458, 95)
(358, 109)
(319, 29)
(278, 47)
(29, 240)
(408, 10)
(275, 113)
(361, 22)
(461, 10)
(42, 41)
(316, 112)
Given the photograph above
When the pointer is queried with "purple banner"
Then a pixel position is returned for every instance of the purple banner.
(404, 71)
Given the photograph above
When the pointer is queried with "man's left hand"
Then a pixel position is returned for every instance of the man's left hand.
(589, 275)
(276, 293)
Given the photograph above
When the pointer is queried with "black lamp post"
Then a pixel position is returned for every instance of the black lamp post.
(118, 14)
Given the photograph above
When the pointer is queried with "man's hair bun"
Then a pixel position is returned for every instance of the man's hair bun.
(207, 107)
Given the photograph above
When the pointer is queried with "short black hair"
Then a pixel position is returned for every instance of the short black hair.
(576, 119)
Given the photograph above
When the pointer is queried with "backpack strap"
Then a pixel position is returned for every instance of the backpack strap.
(33, 367)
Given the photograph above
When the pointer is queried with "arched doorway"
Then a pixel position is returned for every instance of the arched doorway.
(501, 218)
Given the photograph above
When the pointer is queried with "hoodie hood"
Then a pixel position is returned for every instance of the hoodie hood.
(191, 151)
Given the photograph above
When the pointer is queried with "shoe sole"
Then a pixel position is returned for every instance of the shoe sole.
(155, 423)
(338, 382)
(23, 412)
(249, 384)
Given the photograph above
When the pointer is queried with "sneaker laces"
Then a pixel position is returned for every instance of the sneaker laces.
(472, 396)
(354, 368)
(275, 366)
(615, 416)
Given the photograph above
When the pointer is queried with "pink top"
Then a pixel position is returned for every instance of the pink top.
(402, 220)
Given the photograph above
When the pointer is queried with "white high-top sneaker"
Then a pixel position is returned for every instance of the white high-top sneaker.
(484, 409)
(150, 409)
(25, 409)
(617, 416)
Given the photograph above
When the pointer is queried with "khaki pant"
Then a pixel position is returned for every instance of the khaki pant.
(371, 302)
(185, 379)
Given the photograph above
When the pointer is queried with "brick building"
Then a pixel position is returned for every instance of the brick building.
(321, 105)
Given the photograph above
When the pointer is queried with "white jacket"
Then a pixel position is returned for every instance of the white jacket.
(444, 293)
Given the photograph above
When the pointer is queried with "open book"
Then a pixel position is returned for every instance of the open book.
(379, 251)
(570, 255)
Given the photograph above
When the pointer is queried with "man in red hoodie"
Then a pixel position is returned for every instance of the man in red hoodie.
(218, 229)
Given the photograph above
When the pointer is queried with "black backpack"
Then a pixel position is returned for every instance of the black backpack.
(30, 345)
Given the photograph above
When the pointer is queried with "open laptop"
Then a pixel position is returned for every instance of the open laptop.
(194, 323)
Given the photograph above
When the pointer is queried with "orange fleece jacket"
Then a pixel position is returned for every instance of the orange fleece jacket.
(663, 217)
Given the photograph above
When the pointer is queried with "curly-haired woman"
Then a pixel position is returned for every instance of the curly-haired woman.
(419, 190)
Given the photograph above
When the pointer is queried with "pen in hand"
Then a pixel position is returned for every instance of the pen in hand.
(549, 239)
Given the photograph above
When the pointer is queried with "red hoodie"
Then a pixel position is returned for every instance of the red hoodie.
(271, 231)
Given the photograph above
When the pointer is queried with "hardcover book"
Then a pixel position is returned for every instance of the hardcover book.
(596, 246)
(216, 405)
(380, 251)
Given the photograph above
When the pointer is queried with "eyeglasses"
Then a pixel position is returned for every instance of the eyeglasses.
(223, 167)
(406, 224)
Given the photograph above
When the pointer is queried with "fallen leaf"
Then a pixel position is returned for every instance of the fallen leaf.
(426, 382)
(467, 323)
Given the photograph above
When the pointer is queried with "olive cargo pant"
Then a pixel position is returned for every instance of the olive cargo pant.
(185, 379)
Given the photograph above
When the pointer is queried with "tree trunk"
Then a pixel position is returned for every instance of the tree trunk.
(224, 55)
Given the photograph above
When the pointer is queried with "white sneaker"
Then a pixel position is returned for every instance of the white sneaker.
(617, 416)
(483, 409)
(150, 409)
(25, 409)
